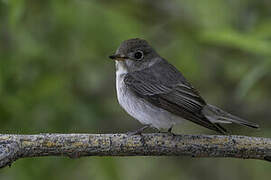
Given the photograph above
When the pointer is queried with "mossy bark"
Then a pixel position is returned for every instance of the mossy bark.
(13, 147)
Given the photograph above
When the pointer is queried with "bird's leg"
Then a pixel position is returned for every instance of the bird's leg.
(138, 131)
(169, 131)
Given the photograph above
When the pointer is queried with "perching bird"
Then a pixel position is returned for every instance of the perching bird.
(155, 93)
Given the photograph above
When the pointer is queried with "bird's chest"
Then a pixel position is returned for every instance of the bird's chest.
(132, 104)
(126, 98)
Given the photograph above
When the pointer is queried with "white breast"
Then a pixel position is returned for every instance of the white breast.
(139, 108)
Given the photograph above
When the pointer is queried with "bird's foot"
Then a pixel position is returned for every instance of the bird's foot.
(138, 131)
(169, 131)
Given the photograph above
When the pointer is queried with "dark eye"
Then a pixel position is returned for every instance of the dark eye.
(139, 55)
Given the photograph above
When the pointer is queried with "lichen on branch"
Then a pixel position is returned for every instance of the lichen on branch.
(13, 147)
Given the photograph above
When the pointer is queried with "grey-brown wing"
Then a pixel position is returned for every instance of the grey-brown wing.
(176, 96)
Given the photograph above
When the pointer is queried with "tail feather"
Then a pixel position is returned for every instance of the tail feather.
(216, 115)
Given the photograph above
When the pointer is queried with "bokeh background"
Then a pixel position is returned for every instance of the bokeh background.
(55, 76)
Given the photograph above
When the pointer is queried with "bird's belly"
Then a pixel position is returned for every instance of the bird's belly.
(142, 110)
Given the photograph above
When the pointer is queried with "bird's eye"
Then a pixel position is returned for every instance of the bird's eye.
(138, 55)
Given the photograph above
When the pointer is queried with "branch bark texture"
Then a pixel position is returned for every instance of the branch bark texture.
(13, 147)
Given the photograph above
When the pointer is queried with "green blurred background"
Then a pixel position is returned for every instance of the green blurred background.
(55, 76)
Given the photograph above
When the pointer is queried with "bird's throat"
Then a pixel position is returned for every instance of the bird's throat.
(121, 68)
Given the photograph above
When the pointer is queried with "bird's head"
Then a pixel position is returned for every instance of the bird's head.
(135, 55)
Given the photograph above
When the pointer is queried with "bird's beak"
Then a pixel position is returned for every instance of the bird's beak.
(118, 57)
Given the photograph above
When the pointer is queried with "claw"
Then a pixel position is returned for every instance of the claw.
(138, 131)
(169, 131)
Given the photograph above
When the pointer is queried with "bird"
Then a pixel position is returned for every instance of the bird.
(156, 93)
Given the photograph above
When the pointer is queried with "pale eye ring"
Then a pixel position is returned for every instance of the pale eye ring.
(138, 55)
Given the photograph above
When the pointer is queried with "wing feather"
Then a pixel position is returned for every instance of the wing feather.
(174, 95)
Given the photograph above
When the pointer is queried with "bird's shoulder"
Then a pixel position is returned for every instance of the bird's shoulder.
(163, 77)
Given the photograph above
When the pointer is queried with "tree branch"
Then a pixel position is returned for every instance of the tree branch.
(13, 147)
